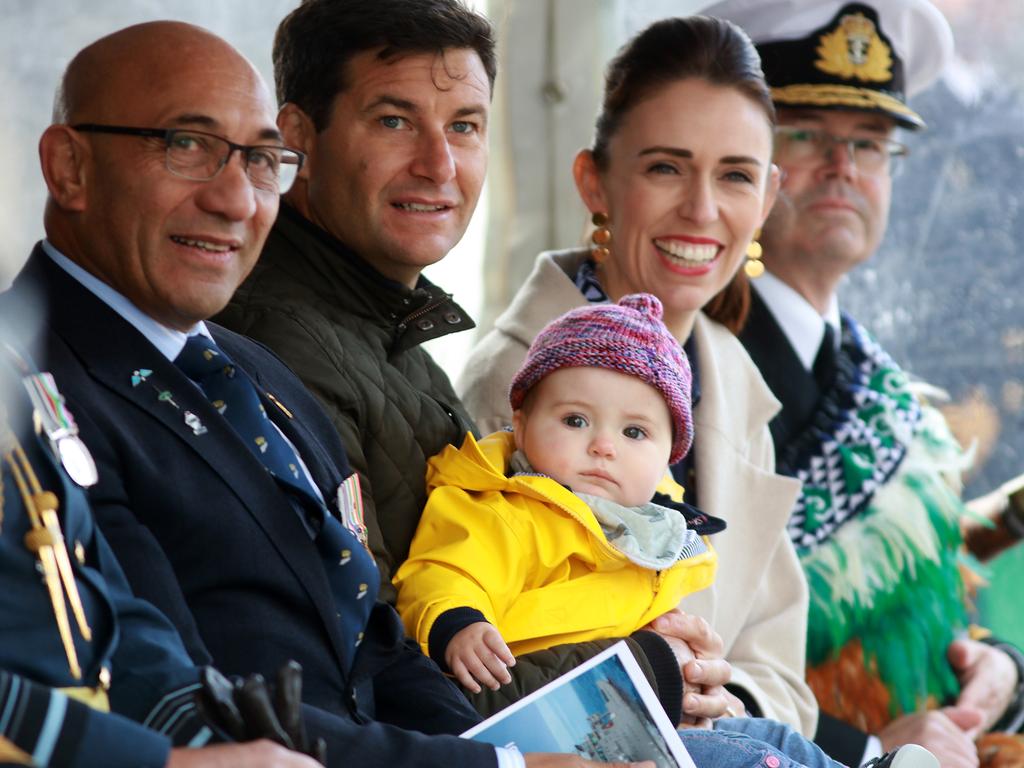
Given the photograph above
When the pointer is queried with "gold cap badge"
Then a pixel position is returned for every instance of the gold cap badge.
(855, 50)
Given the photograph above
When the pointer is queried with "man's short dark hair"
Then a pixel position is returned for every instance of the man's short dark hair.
(315, 42)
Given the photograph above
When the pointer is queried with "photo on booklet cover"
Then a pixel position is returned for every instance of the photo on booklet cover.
(603, 710)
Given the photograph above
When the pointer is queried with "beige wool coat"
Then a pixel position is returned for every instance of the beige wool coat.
(758, 603)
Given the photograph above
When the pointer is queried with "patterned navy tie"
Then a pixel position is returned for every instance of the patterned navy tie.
(351, 571)
(234, 395)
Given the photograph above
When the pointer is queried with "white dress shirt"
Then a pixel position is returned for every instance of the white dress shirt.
(800, 321)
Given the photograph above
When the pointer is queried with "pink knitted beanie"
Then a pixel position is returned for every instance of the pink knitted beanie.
(628, 337)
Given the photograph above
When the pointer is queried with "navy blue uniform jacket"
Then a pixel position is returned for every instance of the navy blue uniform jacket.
(205, 534)
(152, 678)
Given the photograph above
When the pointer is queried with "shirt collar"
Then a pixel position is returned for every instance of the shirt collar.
(800, 321)
(169, 341)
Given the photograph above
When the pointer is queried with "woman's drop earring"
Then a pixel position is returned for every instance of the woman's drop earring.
(754, 267)
(600, 237)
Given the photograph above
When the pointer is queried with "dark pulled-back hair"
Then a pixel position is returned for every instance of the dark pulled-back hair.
(315, 42)
(670, 50)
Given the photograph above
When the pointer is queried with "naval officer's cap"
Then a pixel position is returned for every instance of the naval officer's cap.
(823, 54)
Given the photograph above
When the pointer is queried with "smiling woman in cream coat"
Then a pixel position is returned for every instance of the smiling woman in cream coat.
(678, 180)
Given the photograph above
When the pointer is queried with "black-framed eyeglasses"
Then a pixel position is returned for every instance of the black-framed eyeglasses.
(200, 156)
(806, 146)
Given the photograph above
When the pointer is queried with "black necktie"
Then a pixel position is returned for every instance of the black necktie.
(825, 360)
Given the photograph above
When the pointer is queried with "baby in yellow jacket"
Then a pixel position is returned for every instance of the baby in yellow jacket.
(548, 534)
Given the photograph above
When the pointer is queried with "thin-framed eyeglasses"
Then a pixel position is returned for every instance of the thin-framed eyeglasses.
(807, 146)
(200, 156)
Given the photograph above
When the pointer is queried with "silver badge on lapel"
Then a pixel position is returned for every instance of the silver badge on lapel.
(194, 423)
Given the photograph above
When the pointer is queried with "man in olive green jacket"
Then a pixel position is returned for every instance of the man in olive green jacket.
(389, 99)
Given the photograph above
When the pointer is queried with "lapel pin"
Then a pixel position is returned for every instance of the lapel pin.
(140, 375)
(165, 396)
(280, 405)
(193, 422)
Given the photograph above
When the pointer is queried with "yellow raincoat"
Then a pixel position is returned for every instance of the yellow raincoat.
(528, 554)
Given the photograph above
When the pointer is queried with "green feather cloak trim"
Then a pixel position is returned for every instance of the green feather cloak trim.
(890, 576)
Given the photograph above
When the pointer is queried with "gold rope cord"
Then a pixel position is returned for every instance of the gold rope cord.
(46, 541)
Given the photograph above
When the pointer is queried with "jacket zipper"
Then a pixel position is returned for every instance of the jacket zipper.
(430, 306)
(608, 548)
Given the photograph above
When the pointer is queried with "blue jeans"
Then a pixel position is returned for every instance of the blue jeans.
(753, 742)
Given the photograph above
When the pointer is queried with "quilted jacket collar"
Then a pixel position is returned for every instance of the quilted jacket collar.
(414, 315)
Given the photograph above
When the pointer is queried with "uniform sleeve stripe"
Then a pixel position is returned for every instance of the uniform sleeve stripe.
(11, 695)
(201, 739)
(177, 715)
(174, 720)
(40, 721)
(168, 708)
(51, 728)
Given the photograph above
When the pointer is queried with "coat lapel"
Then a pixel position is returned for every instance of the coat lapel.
(548, 292)
(727, 479)
(113, 351)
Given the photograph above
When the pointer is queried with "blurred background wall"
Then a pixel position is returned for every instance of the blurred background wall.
(944, 295)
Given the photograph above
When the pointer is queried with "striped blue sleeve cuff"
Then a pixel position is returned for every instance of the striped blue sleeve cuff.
(177, 716)
(54, 730)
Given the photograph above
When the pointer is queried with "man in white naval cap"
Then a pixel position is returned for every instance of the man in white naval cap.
(877, 527)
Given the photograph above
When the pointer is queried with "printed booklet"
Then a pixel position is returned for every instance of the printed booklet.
(604, 710)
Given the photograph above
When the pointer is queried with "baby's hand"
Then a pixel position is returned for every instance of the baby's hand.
(478, 653)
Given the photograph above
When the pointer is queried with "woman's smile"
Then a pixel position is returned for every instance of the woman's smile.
(688, 255)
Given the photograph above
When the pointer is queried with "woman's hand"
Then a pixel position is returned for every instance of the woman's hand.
(704, 675)
(477, 654)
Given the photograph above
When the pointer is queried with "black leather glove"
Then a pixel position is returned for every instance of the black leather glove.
(243, 710)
